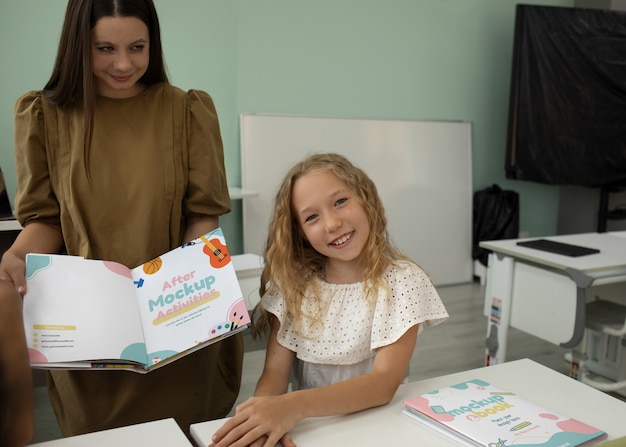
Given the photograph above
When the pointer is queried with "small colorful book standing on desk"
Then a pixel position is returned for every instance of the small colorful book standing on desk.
(478, 414)
(86, 313)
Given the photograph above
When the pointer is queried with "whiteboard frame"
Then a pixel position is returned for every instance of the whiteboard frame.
(427, 163)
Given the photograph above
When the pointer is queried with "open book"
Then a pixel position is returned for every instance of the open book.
(86, 313)
(476, 413)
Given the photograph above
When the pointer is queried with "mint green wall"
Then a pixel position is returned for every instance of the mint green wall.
(414, 59)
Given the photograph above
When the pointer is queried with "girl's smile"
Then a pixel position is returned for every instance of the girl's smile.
(342, 240)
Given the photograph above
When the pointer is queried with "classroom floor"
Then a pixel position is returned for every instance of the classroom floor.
(455, 345)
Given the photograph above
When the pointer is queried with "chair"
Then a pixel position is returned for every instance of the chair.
(605, 346)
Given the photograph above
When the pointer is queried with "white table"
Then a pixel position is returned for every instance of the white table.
(544, 294)
(10, 225)
(387, 426)
(162, 433)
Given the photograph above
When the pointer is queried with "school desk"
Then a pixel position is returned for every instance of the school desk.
(161, 433)
(544, 293)
(387, 425)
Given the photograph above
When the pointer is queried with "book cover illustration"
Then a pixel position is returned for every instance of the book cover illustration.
(479, 414)
(100, 312)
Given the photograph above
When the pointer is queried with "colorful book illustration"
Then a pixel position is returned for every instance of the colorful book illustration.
(86, 313)
(478, 414)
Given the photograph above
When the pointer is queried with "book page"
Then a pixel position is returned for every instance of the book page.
(79, 309)
(188, 296)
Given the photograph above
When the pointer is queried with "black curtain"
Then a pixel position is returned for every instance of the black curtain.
(567, 117)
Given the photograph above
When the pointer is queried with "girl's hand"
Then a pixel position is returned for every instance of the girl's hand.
(261, 421)
(13, 270)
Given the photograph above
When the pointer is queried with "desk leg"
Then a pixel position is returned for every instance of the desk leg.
(578, 368)
(498, 296)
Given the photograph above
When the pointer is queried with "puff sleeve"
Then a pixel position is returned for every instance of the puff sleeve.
(412, 300)
(207, 188)
(34, 199)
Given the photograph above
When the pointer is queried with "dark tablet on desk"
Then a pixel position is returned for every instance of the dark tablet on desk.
(558, 247)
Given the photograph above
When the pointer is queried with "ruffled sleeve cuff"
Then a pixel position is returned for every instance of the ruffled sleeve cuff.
(412, 300)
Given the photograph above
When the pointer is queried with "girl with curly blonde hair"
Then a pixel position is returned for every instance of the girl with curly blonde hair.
(342, 305)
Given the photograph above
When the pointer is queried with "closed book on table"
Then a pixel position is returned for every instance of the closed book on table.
(478, 414)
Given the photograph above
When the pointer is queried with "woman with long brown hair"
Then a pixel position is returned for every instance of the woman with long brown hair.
(115, 163)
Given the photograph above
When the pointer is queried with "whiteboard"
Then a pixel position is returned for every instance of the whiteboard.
(422, 170)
